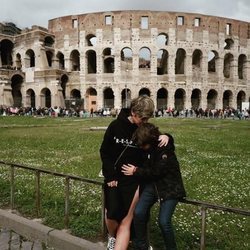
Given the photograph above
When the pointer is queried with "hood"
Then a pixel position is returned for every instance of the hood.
(124, 114)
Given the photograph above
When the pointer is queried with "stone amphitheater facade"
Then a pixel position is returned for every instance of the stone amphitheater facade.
(103, 60)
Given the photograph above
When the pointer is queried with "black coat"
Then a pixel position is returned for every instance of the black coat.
(117, 149)
(162, 168)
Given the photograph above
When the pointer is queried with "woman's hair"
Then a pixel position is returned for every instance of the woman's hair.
(146, 133)
(143, 106)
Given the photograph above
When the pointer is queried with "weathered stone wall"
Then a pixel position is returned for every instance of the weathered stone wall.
(204, 62)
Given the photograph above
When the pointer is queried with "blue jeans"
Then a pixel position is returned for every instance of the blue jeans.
(142, 214)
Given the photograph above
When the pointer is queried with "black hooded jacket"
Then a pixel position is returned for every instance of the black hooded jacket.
(117, 149)
(162, 168)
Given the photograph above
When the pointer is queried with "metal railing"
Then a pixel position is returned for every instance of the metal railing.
(66, 177)
(37, 172)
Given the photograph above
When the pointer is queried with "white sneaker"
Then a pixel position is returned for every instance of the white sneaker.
(150, 248)
(111, 243)
(100, 174)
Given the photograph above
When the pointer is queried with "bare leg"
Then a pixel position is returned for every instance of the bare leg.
(123, 232)
(112, 226)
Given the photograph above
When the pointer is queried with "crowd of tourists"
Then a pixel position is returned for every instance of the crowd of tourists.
(207, 113)
(77, 112)
(54, 112)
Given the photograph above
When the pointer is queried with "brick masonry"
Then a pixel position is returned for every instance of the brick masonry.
(105, 59)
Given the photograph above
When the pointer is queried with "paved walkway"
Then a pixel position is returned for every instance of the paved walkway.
(9, 240)
(37, 233)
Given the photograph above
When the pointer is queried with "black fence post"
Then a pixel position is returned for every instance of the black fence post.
(104, 228)
(38, 194)
(12, 186)
(66, 210)
(203, 227)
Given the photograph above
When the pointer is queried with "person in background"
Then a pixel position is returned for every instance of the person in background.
(91, 112)
(121, 191)
(162, 181)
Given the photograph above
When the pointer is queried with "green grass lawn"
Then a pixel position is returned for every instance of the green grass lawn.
(214, 157)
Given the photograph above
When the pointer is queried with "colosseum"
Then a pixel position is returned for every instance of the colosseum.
(102, 60)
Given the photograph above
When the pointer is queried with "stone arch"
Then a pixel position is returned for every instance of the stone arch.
(126, 97)
(61, 60)
(179, 99)
(108, 61)
(196, 99)
(16, 86)
(64, 81)
(18, 61)
(162, 40)
(213, 57)
(229, 43)
(46, 97)
(197, 58)
(14, 73)
(6, 48)
(144, 57)
(242, 67)
(91, 61)
(180, 61)
(227, 99)
(91, 91)
(162, 98)
(196, 64)
(49, 41)
(75, 60)
(144, 91)
(241, 97)
(228, 65)
(75, 94)
(109, 65)
(108, 98)
(91, 99)
(91, 40)
(75, 100)
(126, 59)
(162, 62)
(30, 59)
(212, 96)
(49, 55)
(30, 98)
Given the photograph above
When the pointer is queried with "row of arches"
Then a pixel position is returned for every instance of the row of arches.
(179, 99)
(16, 90)
(6, 54)
(162, 40)
(126, 58)
(163, 61)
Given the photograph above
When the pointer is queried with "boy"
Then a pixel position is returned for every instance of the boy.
(161, 180)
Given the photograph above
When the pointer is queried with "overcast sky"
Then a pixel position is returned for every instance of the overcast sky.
(25, 13)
